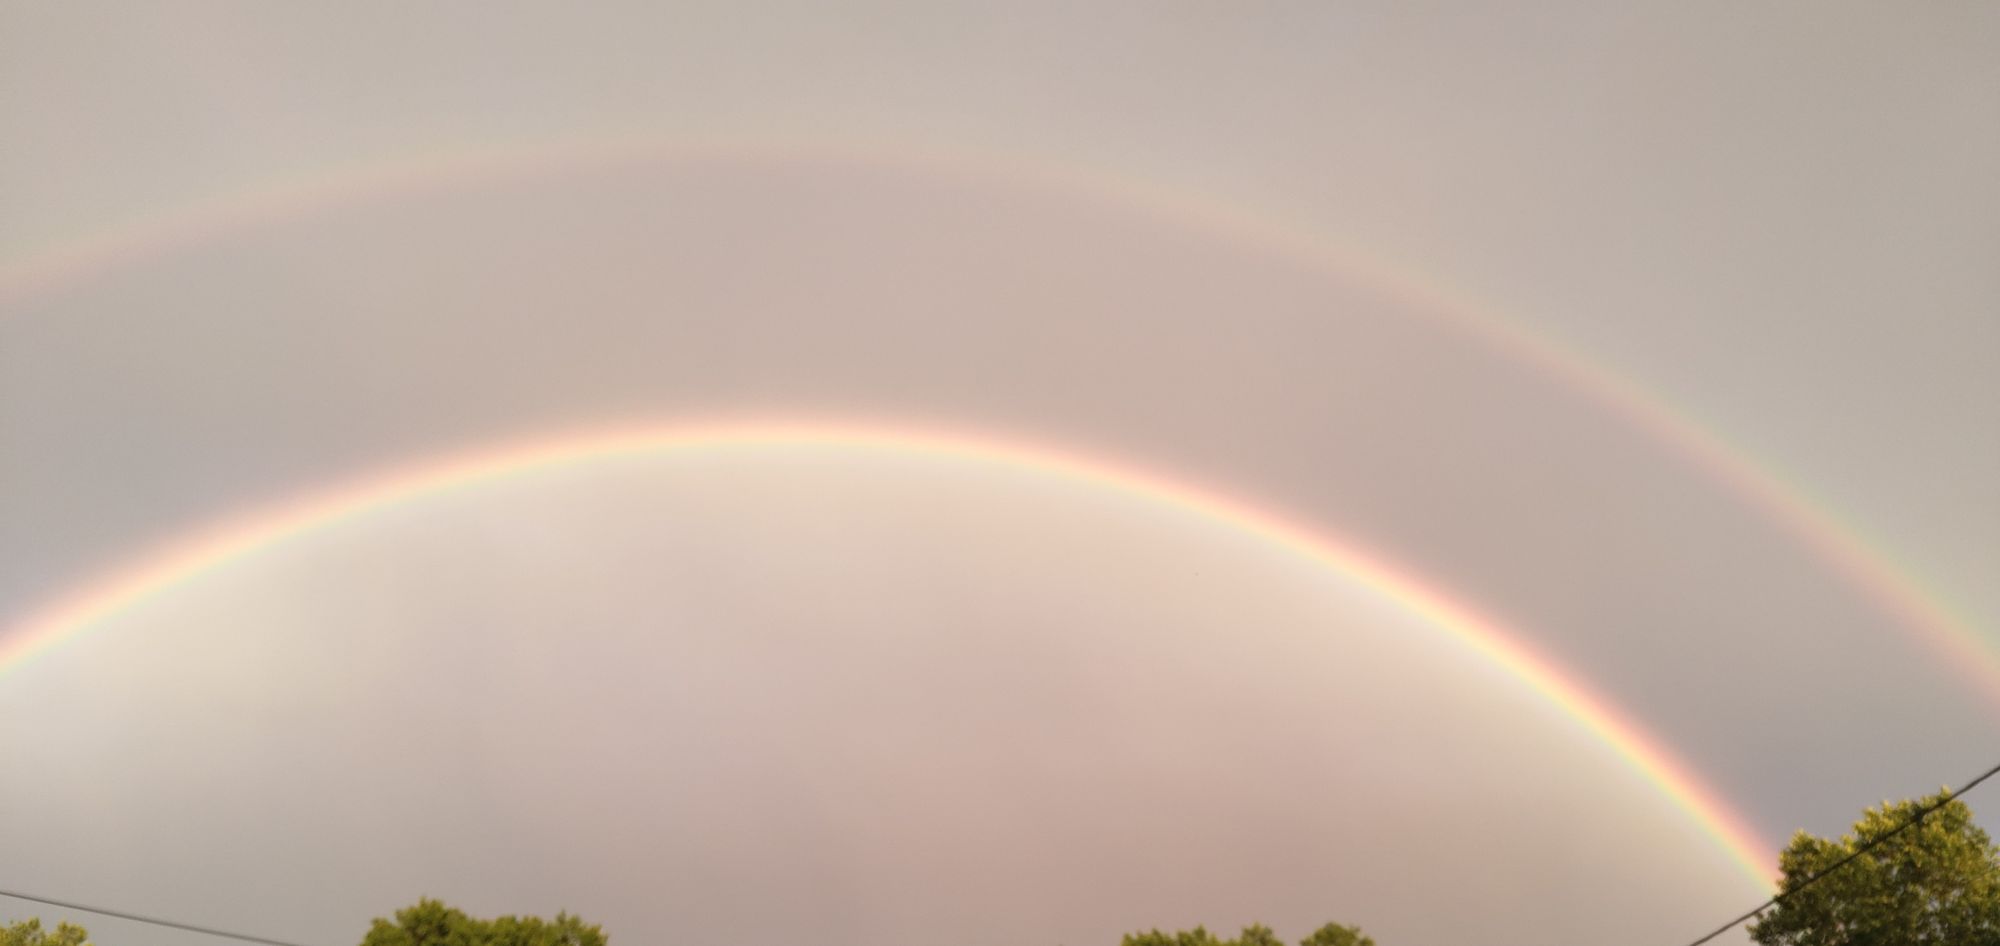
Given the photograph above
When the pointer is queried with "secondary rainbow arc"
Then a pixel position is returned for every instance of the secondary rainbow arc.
(1838, 544)
(125, 588)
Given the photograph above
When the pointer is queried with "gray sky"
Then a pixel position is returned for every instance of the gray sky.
(750, 697)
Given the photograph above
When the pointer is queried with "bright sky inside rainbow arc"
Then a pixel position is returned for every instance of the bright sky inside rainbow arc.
(1967, 650)
(193, 554)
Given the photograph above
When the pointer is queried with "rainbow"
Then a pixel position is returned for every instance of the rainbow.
(1837, 544)
(258, 531)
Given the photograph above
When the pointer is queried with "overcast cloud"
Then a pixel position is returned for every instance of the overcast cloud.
(858, 697)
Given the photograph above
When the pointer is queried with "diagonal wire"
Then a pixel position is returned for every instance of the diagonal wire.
(1726, 927)
(1857, 852)
(156, 921)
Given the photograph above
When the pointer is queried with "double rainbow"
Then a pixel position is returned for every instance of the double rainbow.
(1835, 543)
(1838, 544)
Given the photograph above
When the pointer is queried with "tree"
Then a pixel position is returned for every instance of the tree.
(1334, 934)
(1935, 884)
(431, 923)
(30, 933)
(1256, 934)
(1199, 936)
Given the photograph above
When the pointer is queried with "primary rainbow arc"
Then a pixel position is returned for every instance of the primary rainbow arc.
(126, 588)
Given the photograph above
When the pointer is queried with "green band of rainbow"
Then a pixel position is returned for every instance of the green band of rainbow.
(250, 534)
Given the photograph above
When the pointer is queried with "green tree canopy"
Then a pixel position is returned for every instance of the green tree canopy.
(1334, 934)
(431, 923)
(30, 933)
(1199, 936)
(1935, 884)
(1256, 934)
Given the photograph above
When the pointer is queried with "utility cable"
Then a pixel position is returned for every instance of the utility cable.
(1857, 852)
(156, 921)
(1917, 818)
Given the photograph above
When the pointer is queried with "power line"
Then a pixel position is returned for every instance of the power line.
(1857, 852)
(156, 921)
(1946, 798)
